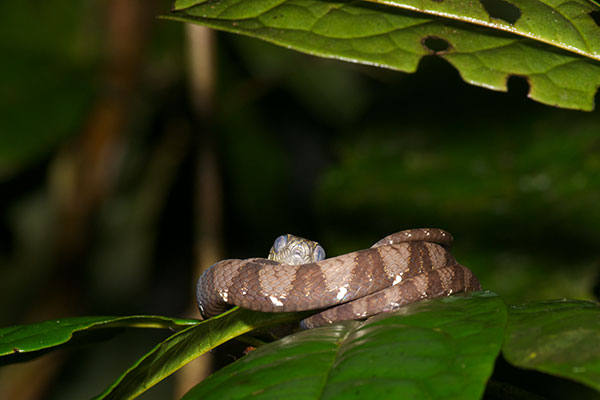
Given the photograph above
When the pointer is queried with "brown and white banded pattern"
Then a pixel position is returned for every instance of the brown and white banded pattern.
(401, 268)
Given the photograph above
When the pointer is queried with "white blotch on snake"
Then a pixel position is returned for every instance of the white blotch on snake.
(224, 295)
(341, 293)
(275, 301)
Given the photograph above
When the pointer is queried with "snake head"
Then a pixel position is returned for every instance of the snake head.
(295, 250)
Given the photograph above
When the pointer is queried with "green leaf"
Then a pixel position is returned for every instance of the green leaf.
(560, 337)
(564, 24)
(182, 347)
(390, 37)
(443, 348)
(19, 339)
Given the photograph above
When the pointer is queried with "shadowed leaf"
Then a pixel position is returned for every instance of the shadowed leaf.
(560, 337)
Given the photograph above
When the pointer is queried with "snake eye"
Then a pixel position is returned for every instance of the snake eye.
(319, 253)
(279, 243)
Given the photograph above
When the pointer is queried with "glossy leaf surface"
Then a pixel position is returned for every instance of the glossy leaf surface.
(443, 348)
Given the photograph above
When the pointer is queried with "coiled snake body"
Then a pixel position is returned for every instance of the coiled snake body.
(401, 268)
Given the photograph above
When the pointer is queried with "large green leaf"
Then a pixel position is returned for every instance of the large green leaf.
(19, 339)
(561, 68)
(182, 347)
(561, 337)
(443, 348)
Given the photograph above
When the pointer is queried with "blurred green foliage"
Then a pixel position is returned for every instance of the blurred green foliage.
(519, 195)
(48, 77)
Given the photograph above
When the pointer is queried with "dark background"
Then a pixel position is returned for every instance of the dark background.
(116, 187)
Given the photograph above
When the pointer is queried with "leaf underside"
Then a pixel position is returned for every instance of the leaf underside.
(555, 48)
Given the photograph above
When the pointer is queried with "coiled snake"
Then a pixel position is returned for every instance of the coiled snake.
(401, 268)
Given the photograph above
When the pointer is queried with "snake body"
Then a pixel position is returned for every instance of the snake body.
(401, 268)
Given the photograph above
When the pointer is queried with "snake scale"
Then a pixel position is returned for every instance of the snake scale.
(401, 268)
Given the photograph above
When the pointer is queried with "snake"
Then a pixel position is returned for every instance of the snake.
(400, 269)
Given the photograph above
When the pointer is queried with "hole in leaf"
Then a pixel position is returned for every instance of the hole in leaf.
(518, 86)
(501, 9)
(596, 17)
(435, 44)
